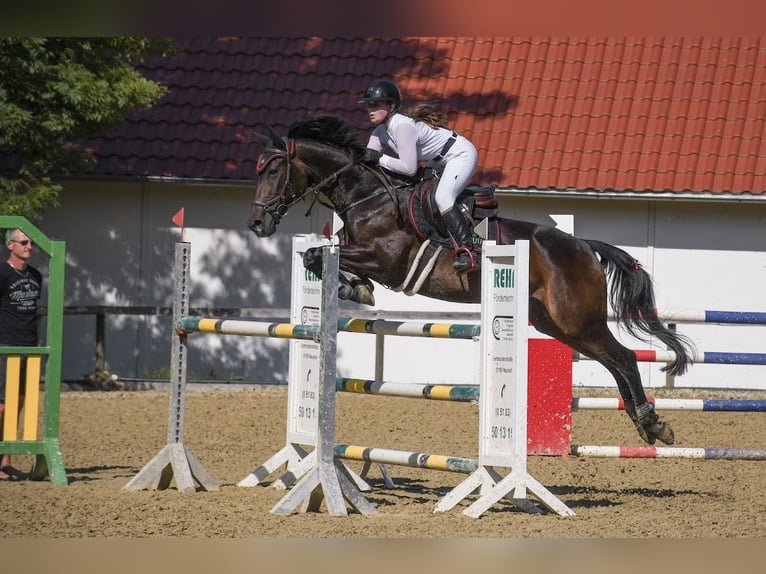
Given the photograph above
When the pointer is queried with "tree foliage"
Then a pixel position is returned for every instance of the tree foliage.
(54, 91)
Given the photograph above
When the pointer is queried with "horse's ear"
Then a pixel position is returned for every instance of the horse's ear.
(277, 140)
(264, 140)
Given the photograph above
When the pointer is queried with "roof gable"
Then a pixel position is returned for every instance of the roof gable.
(605, 114)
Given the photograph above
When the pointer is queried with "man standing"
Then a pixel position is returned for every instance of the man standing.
(20, 288)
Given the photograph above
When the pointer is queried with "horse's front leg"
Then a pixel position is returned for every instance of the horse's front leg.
(350, 286)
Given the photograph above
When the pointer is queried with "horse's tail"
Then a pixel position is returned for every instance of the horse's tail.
(632, 298)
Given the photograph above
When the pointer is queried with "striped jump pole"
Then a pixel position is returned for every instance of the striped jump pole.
(248, 328)
(410, 329)
(406, 458)
(244, 327)
(460, 393)
(721, 358)
(709, 405)
(668, 452)
(711, 316)
(660, 356)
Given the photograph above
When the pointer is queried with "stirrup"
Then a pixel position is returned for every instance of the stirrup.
(459, 263)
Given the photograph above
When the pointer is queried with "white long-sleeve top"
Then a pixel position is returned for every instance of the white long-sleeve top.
(411, 140)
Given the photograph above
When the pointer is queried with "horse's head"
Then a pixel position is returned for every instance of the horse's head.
(279, 186)
(311, 160)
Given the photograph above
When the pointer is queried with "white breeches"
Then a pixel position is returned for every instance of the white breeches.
(458, 167)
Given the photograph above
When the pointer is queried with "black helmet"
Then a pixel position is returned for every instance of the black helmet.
(383, 91)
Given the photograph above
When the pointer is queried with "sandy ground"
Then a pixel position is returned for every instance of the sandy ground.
(107, 437)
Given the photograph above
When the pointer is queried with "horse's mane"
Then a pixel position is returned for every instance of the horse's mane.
(326, 129)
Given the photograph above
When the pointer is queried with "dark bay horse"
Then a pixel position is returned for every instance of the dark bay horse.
(568, 277)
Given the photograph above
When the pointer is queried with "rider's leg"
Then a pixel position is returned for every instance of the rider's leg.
(458, 168)
(458, 228)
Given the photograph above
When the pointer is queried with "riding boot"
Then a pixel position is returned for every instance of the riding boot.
(460, 231)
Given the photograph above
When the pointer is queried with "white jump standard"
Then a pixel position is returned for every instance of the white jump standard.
(503, 389)
(174, 459)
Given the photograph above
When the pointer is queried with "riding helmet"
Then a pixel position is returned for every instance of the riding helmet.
(383, 91)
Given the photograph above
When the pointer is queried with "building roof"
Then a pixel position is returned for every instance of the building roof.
(680, 115)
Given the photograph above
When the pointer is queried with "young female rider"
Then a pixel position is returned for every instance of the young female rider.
(412, 140)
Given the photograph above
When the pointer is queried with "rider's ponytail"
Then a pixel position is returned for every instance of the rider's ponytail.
(428, 114)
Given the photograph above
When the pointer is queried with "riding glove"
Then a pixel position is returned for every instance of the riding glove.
(372, 156)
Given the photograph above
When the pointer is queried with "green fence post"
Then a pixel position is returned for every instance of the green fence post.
(47, 450)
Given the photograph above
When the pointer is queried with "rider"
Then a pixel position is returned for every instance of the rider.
(413, 140)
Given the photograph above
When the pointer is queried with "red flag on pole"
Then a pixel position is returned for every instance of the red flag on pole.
(178, 219)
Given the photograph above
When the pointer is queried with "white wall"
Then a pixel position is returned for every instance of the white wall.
(120, 244)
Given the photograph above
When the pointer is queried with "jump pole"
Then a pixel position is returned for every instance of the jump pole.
(174, 459)
(503, 391)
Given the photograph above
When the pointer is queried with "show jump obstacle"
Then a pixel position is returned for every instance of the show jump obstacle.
(502, 411)
(47, 450)
(320, 473)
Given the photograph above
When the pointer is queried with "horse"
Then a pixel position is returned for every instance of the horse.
(571, 280)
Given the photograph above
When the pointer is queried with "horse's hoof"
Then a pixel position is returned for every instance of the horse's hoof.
(363, 294)
(663, 432)
(649, 425)
(643, 433)
(345, 292)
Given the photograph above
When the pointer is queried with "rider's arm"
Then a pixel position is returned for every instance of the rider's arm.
(406, 141)
(374, 142)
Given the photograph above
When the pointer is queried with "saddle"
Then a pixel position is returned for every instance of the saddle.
(475, 202)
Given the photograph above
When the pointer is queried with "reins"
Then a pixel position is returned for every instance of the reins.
(387, 188)
(316, 189)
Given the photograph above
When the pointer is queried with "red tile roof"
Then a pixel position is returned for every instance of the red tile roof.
(604, 114)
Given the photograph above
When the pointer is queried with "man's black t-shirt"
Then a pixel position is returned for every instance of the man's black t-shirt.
(19, 293)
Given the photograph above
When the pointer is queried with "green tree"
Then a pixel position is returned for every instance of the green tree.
(54, 91)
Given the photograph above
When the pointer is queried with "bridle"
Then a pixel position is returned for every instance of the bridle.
(279, 205)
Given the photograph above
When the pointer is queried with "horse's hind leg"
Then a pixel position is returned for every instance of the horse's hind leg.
(622, 364)
(598, 342)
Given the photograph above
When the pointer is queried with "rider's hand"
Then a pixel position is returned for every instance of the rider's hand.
(372, 156)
